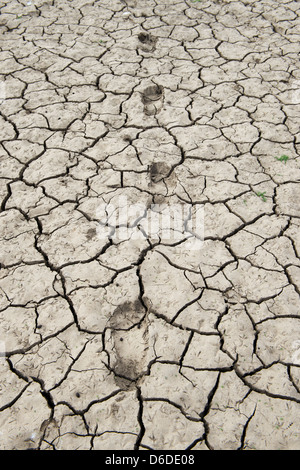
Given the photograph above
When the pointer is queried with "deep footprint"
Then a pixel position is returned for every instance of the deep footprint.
(152, 99)
(159, 171)
(127, 326)
(129, 3)
(147, 43)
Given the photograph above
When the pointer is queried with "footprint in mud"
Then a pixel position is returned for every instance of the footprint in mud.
(127, 343)
(159, 171)
(129, 3)
(147, 43)
(152, 99)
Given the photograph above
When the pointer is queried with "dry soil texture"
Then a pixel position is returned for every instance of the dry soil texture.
(114, 336)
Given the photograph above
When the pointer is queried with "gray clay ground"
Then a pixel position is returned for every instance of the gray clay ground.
(145, 344)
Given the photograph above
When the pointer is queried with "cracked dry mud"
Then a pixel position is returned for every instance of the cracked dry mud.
(142, 343)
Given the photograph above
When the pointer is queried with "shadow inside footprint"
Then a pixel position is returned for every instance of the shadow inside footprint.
(159, 171)
(127, 342)
(129, 3)
(147, 42)
(152, 99)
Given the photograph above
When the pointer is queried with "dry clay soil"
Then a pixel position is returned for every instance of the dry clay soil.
(142, 341)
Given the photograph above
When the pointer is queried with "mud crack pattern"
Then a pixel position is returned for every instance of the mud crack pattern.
(145, 344)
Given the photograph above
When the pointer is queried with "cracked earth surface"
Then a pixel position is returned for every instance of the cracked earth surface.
(126, 344)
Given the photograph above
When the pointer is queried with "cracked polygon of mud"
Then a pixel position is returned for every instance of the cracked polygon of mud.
(169, 428)
(26, 434)
(111, 341)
